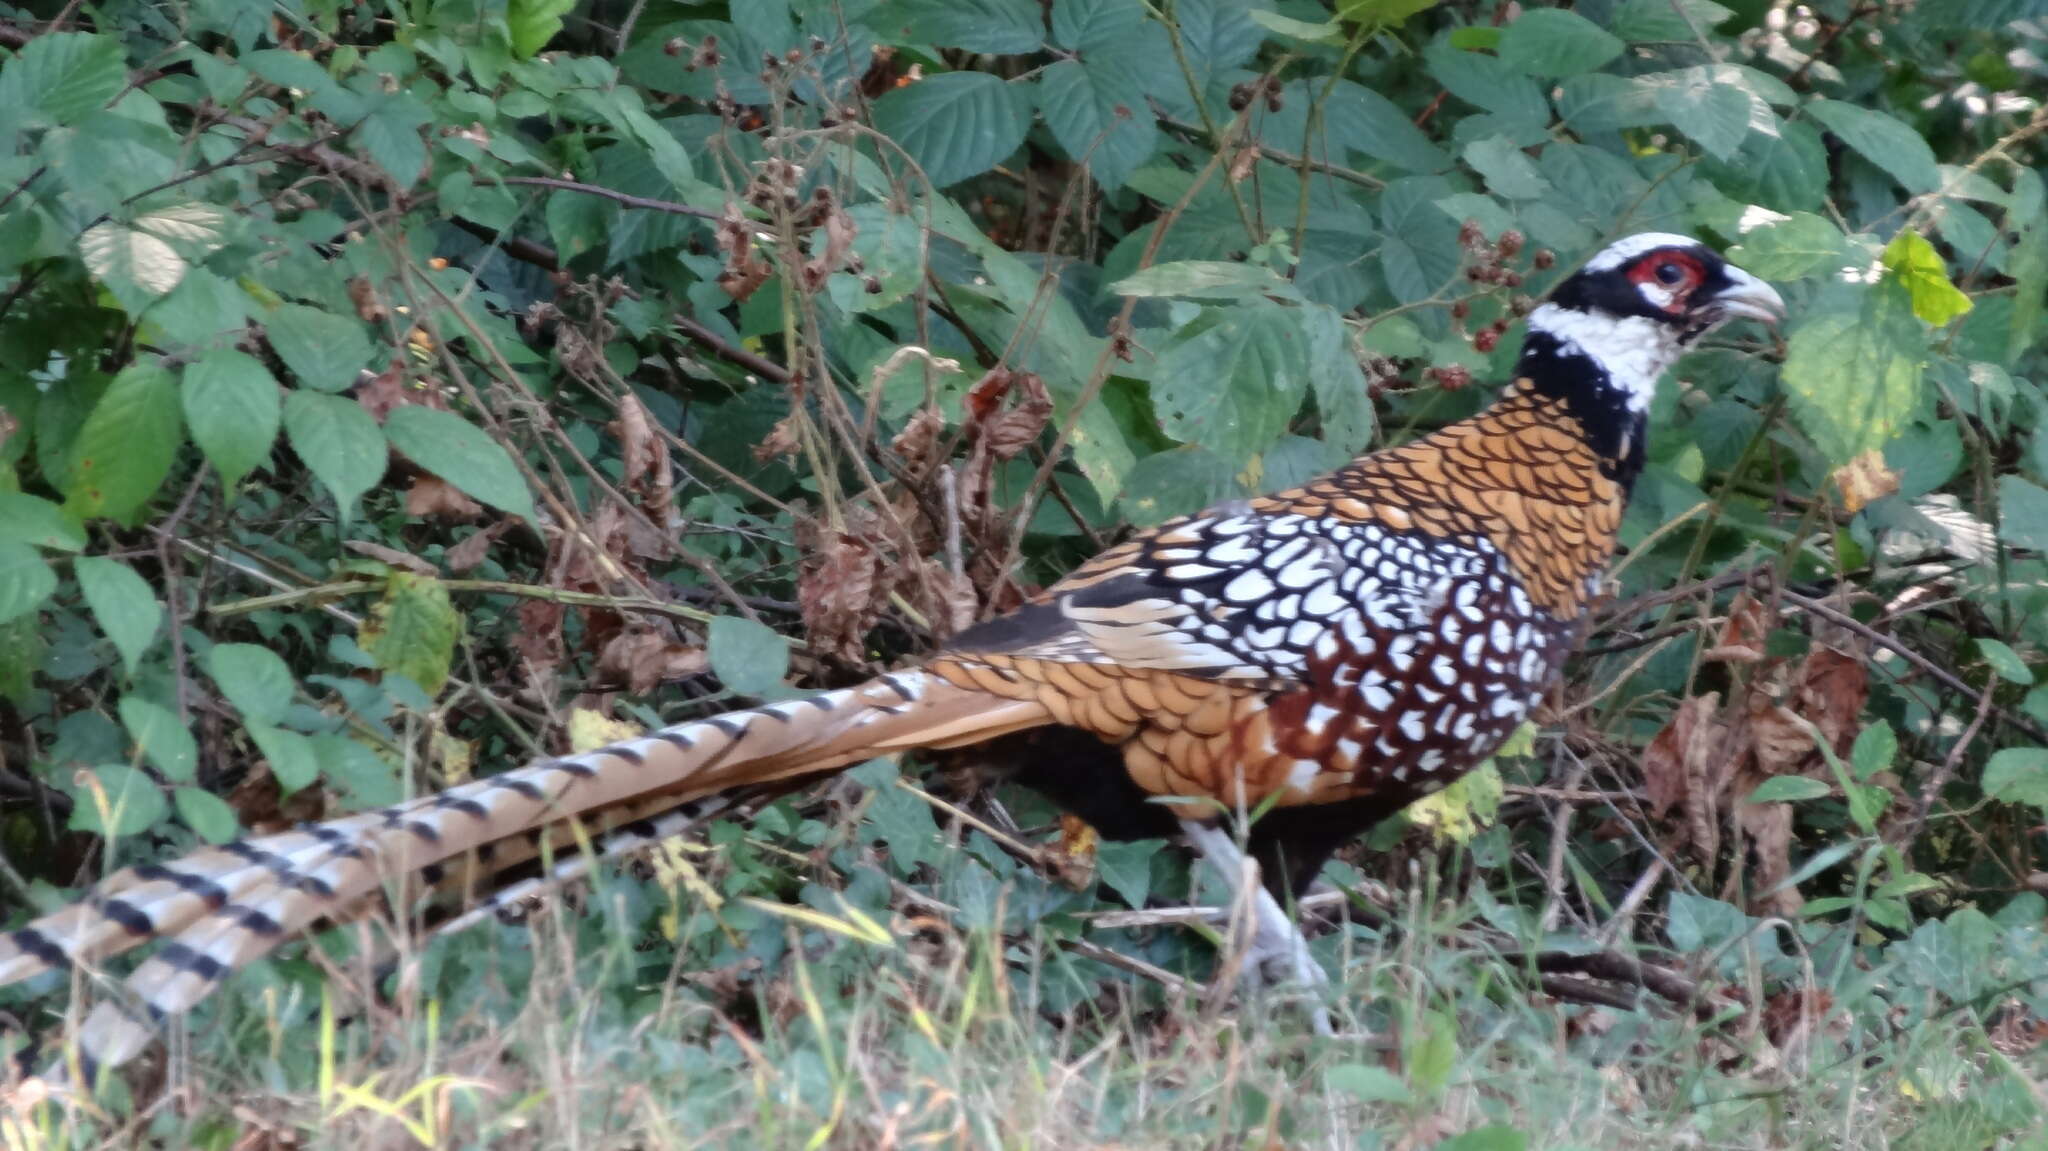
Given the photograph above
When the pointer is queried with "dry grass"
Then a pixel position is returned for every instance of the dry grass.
(587, 1030)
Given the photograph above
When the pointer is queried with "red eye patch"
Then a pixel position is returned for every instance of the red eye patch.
(1650, 269)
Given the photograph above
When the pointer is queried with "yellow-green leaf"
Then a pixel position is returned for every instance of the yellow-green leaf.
(1917, 265)
(412, 630)
(125, 449)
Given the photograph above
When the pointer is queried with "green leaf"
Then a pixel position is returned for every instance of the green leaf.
(1496, 1137)
(1367, 1083)
(1875, 749)
(1096, 109)
(339, 443)
(255, 679)
(461, 453)
(1096, 25)
(2018, 775)
(1882, 140)
(324, 351)
(1418, 244)
(1667, 21)
(391, 136)
(1177, 482)
(1853, 367)
(25, 580)
(294, 759)
(124, 802)
(1918, 266)
(1714, 115)
(1554, 42)
(1231, 379)
(1487, 82)
(412, 630)
(233, 409)
(2028, 264)
(1220, 280)
(748, 657)
(27, 519)
(364, 780)
(161, 736)
(1432, 1051)
(955, 125)
(532, 23)
(1788, 789)
(136, 265)
(122, 602)
(1343, 398)
(63, 77)
(1508, 170)
(2022, 513)
(2004, 661)
(1801, 245)
(1328, 33)
(125, 449)
(1127, 868)
(998, 27)
(1382, 13)
(207, 814)
(1786, 172)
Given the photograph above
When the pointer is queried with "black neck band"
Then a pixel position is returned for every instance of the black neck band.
(1612, 430)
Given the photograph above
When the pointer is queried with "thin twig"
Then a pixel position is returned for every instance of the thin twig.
(1947, 678)
(1909, 830)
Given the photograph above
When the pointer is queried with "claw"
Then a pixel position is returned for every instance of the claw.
(1279, 953)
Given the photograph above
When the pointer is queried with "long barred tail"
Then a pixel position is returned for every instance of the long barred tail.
(221, 908)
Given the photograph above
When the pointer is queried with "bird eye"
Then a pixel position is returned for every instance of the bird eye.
(1669, 273)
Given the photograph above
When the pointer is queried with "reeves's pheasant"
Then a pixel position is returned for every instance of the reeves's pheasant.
(1336, 650)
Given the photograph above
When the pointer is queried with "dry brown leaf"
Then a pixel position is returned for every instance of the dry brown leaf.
(1010, 432)
(917, 444)
(643, 659)
(639, 451)
(382, 392)
(471, 551)
(744, 272)
(391, 556)
(539, 641)
(1668, 761)
(1833, 687)
(837, 590)
(781, 440)
(432, 497)
(1865, 480)
(363, 294)
(839, 231)
(1742, 636)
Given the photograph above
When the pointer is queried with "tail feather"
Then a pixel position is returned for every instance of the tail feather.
(220, 908)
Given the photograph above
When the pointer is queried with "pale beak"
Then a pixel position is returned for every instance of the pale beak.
(1748, 297)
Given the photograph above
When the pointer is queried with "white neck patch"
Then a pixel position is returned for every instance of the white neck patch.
(1635, 350)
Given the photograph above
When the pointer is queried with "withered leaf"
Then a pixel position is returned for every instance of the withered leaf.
(464, 556)
(1671, 760)
(430, 496)
(643, 659)
(539, 640)
(392, 556)
(838, 593)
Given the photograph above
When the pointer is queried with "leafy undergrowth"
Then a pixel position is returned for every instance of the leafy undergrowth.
(707, 1004)
(390, 394)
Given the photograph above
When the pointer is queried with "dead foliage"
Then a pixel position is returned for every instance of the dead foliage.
(1715, 751)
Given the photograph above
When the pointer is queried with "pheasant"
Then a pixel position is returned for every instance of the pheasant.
(1328, 653)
